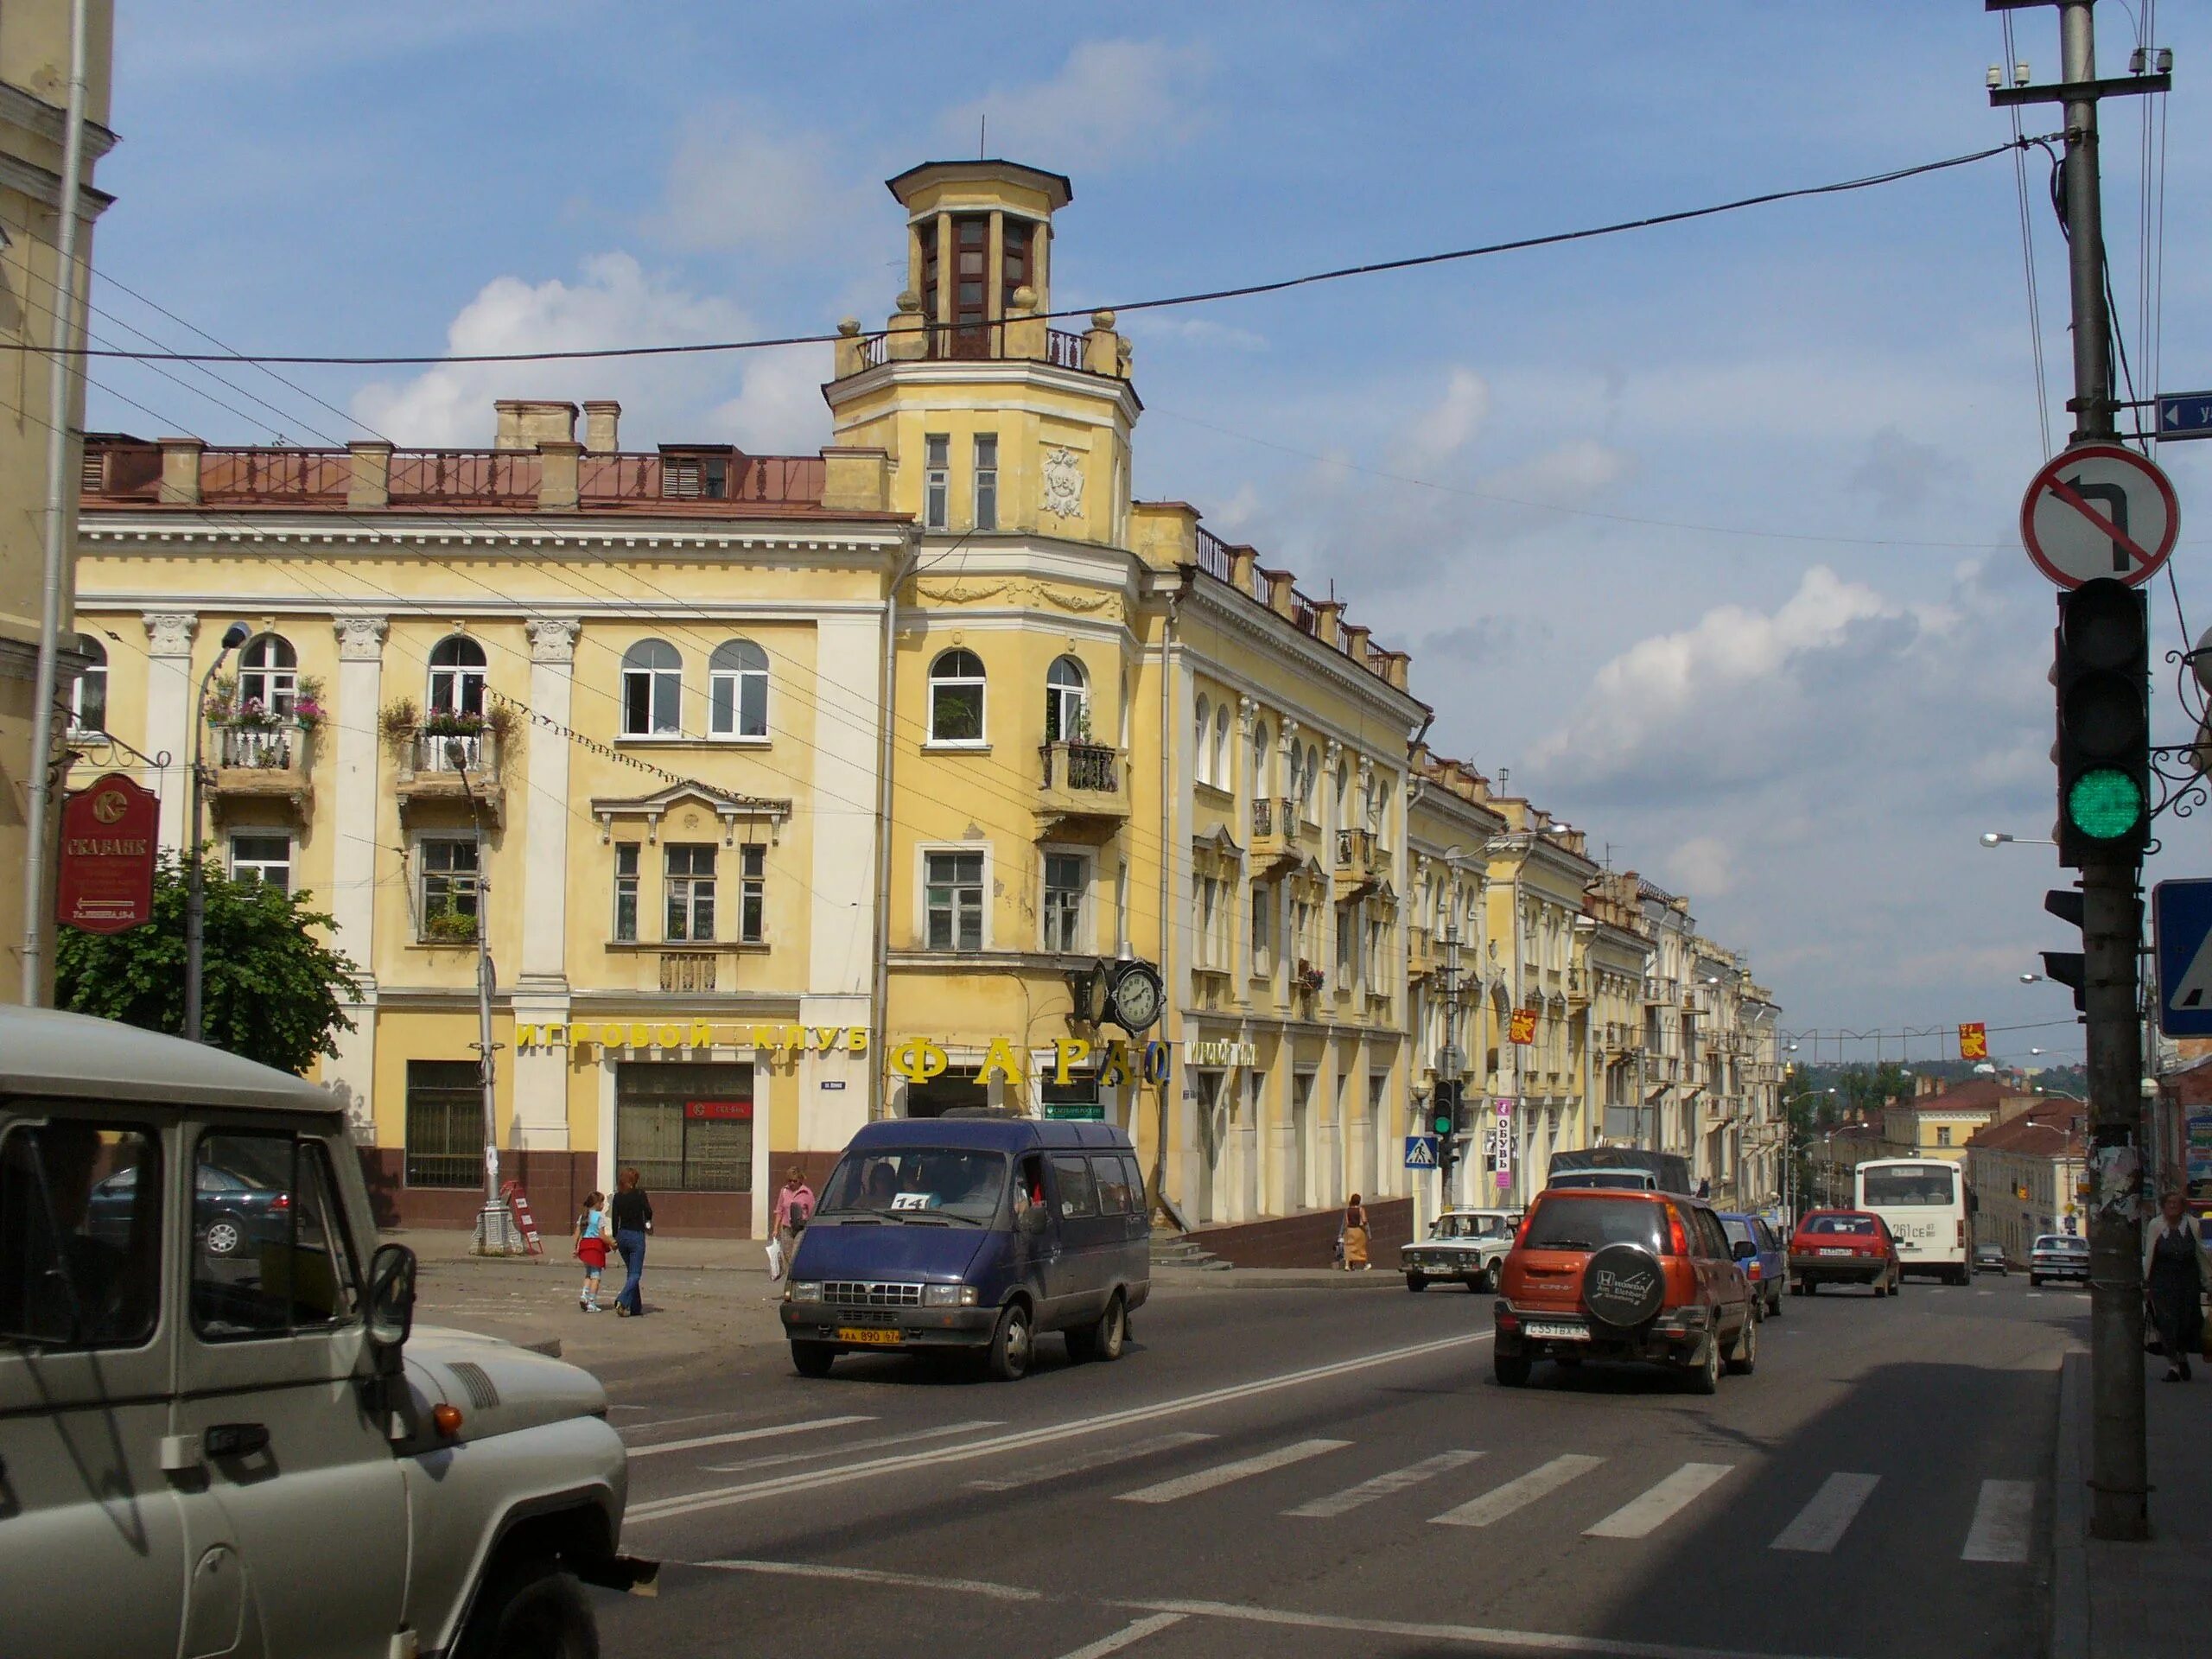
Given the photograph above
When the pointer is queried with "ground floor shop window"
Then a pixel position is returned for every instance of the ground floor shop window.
(445, 1123)
(685, 1126)
(939, 1094)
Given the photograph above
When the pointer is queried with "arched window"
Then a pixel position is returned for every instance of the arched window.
(88, 697)
(456, 677)
(956, 698)
(1202, 753)
(1067, 703)
(737, 691)
(1221, 745)
(1261, 753)
(652, 690)
(1308, 781)
(1344, 783)
(269, 673)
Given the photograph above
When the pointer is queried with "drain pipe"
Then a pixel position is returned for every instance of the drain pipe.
(886, 700)
(1168, 729)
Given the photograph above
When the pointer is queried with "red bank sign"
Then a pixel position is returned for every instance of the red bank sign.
(106, 877)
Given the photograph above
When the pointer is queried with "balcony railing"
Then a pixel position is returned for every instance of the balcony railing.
(465, 477)
(1214, 557)
(1087, 767)
(259, 748)
(687, 972)
(463, 767)
(265, 763)
(232, 475)
(1082, 792)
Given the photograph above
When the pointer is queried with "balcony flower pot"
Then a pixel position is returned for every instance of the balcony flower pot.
(449, 927)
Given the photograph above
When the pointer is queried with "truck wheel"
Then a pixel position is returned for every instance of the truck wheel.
(1103, 1338)
(1009, 1356)
(1512, 1369)
(812, 1358)
(531, 1610)
(1416, 1281)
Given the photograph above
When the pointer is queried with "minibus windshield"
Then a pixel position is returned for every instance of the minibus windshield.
(921, 1184)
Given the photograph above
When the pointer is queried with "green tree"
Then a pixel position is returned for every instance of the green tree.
(272, 990)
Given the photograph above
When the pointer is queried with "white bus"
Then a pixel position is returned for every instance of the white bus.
(1923, 1202)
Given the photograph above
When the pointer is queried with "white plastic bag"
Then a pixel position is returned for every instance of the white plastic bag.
(775, 1258)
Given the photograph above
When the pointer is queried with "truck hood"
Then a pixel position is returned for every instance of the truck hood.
(892, 1249)
(497, 1387)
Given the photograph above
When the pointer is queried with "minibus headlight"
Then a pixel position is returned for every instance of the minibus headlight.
(948, 1296)
(806, 1290)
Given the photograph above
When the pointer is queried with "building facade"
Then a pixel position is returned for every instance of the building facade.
(2023, 1173)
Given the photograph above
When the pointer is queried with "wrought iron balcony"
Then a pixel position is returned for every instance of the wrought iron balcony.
(1360, 864)
(261, 761)
(1084, 792)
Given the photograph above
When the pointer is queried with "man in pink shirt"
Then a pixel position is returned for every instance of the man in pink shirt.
(794, 1205)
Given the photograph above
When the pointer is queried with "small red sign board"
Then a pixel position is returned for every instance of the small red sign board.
(1974, 1041)
(520, 1205)
(728, 1111)
(105, 875)
(1521, 1029)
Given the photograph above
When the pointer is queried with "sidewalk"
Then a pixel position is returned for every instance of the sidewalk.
(2120, 1601)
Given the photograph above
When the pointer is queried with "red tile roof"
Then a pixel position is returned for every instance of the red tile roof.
(2052, 1132)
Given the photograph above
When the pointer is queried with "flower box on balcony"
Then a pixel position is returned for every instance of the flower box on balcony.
(1084, 792)
(449, 927)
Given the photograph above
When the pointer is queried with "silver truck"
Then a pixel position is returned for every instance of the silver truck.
(219, 1433)
(1466, 1246)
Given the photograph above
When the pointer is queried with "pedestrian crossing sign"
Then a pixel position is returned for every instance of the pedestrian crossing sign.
(1420, 1152)
(2181, 924)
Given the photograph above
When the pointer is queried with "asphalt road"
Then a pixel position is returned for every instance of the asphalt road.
(1307, 1473)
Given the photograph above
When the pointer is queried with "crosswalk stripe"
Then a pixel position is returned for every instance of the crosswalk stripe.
(1382, 1485)
(698, 1440)
(1640, 1516)
(1221, 1474)
(1518, 1494)
(1820, 1526)
(1082, 1462)
(845, 1448)
(2000, 1532)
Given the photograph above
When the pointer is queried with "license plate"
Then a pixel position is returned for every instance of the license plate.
(862, 1334)
(1827, 1252)
(1557, 1332)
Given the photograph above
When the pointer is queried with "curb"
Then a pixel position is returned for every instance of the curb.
(2069, 1578)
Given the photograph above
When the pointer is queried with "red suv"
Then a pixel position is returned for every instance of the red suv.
(1611, 1274)
(1844, 1247)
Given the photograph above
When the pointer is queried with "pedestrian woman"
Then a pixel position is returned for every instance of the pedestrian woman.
(1356, 1235)
(2175, 1274)
(592, 1227)
(794, 1204)
(633, 1219)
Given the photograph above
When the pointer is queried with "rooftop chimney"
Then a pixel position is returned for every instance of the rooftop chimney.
(526, 422)
(603, 426)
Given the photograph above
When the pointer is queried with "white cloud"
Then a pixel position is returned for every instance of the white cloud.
(742, 178)
(1704, 865)
(1112, 101)
(1451, 423)
(614, 300)
(1566, 475)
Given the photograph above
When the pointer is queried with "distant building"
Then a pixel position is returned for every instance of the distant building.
(1836, 1154)
(2022, 1173)
(1937, 1121)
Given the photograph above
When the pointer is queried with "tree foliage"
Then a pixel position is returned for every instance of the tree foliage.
(272, 991)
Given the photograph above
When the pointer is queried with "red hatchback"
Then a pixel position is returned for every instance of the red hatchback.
(1843, 1247)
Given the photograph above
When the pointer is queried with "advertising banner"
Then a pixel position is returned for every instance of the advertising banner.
(105, 878)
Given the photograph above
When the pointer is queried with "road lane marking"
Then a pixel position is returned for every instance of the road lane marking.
(731, 1438)
(1541, 1482)
(1641, 1516)
(2001, 1518)
(1083, 1462)
(1128, 1636)
(1204, 1480)
(1473, 1636)
(1382, 1485)
(906, 1437)
(753, 1491)
(1820, 1526)
(877, 1575)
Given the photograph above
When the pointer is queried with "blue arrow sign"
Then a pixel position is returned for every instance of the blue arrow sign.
(2181, 923)
(2185, 415)
(1420, 1152)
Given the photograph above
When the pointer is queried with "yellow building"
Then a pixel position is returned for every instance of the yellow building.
(35, 74)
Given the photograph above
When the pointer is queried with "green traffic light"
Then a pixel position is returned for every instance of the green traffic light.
(2105, 804)
(1443, 1124)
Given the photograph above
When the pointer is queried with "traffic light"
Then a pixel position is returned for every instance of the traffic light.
(2066, 967)
(1444, 1108)
(2102, 672)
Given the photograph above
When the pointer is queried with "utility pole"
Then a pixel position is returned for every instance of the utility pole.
(2111, 905)
(1451, 1069)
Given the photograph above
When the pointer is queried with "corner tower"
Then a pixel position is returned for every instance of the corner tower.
(993, 421)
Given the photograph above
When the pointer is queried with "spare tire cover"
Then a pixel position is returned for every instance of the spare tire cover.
(1624, 1286)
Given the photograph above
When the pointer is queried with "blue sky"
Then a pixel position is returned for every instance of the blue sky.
(1802, 711)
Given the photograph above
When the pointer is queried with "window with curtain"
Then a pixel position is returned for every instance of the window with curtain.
(737, 691)
(653, 690)
(456, 677)
(956, 698)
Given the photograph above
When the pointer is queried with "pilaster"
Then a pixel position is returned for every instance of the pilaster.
(351, 1073)
(168, 711)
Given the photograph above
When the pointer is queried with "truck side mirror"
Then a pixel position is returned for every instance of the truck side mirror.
(1746, 1249)
(392, 1296)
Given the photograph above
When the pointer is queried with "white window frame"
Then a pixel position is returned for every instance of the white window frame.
(987, 481)
(276, 684)
(691, 881)
(653, 676)
(922, 856)
(1084, 932)
(261, 866)
(731, 667)
(936, 481)
(981, 680)
(449, 683)
(752, 893)
(96, 671)
(1066, 706)
(627, 882)
(1202, 759)
(419, 849)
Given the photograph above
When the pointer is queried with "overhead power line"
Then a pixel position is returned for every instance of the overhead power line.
(1246, 290)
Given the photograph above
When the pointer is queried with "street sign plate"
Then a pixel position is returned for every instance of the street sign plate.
(2181, 933)
(2185, 415)
(2098, 510)
(1420, 1152)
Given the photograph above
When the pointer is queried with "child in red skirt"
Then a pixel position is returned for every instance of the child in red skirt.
(591, 1248)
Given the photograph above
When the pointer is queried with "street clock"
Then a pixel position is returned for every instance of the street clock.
(1137, 996)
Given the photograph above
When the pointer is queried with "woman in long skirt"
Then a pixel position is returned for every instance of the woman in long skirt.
(2175, 1274)
(1355, 1234)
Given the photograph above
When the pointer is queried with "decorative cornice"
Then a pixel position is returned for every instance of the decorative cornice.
(184, 531)
(1224, 604)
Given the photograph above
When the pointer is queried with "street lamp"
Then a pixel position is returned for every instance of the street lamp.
(2031, 979)
(1999, 838)
(495, 1222)
(195, 895)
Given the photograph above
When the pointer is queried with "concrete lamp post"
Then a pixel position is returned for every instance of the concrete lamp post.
(195, 892)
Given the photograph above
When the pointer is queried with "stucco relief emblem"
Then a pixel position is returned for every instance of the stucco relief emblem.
(168, 633)
(360, 639)
(552, 639)
(1063, 484)
(1033, 593)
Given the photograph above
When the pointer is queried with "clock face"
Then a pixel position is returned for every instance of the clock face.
(1136, 999)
